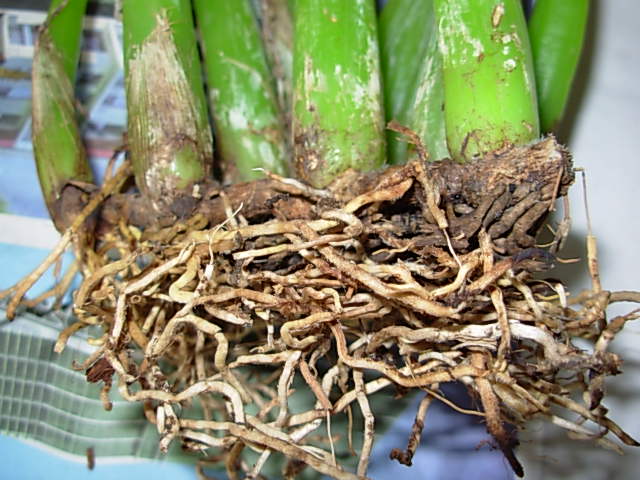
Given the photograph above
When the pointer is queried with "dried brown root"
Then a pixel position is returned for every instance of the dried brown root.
(405, 457)
(111, 185)
(409, 278)
(491, 406)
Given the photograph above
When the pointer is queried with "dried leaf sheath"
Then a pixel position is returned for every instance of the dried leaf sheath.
(169, 135)
(58, 150)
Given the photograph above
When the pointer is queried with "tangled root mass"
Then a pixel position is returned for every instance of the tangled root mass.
(383, 283)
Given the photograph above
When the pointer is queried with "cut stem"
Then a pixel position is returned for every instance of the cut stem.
(58, 150)
(248, 123)
(490, 96)
(168, 129)
(338, 122)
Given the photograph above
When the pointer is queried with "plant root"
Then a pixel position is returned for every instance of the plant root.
(409, 278)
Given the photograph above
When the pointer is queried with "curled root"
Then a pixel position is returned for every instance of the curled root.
(412, 278)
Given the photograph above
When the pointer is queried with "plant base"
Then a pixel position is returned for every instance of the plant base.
(396, 281)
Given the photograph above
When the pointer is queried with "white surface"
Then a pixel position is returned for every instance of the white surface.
(605, 141)
(28, 231)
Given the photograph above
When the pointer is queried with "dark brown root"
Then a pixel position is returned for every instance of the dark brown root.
(405, 457)
(410, 278)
